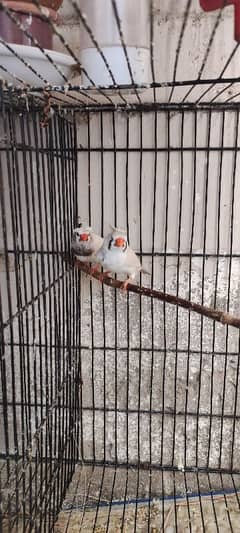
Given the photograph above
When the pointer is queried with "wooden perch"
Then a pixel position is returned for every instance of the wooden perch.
(214, 314)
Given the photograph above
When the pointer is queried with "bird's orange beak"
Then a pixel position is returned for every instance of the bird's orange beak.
(119, 242)
(84, 237)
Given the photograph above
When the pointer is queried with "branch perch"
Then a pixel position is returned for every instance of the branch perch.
(219, 316)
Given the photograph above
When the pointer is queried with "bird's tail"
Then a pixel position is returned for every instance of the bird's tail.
(144, 271)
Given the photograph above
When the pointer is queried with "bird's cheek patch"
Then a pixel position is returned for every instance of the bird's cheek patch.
(84, 237)
(119, 242)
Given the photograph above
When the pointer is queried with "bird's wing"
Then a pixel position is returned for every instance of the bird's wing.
(97, 242)
(100, 254)
(134, 261)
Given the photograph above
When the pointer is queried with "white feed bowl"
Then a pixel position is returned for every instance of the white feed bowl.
(38, 61)
(139, 59)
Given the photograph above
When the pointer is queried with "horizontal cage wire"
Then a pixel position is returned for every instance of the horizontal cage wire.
(190, 75)
(120, 409)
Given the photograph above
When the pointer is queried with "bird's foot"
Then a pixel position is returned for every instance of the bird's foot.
(94, 269)
(103, 275)
(77, 261)
(124, 285)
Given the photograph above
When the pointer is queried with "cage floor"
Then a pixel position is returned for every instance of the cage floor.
(124, 500)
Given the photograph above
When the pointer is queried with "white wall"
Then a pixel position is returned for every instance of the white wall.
(134, 348)
(209, 278)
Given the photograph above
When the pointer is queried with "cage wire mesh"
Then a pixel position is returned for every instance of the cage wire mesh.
(120, 411)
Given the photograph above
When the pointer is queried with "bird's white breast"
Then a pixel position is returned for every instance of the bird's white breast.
(116, 260)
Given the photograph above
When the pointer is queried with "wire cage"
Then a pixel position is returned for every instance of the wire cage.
(120, 412)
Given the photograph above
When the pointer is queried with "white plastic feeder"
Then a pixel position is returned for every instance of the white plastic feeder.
(134, 16)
